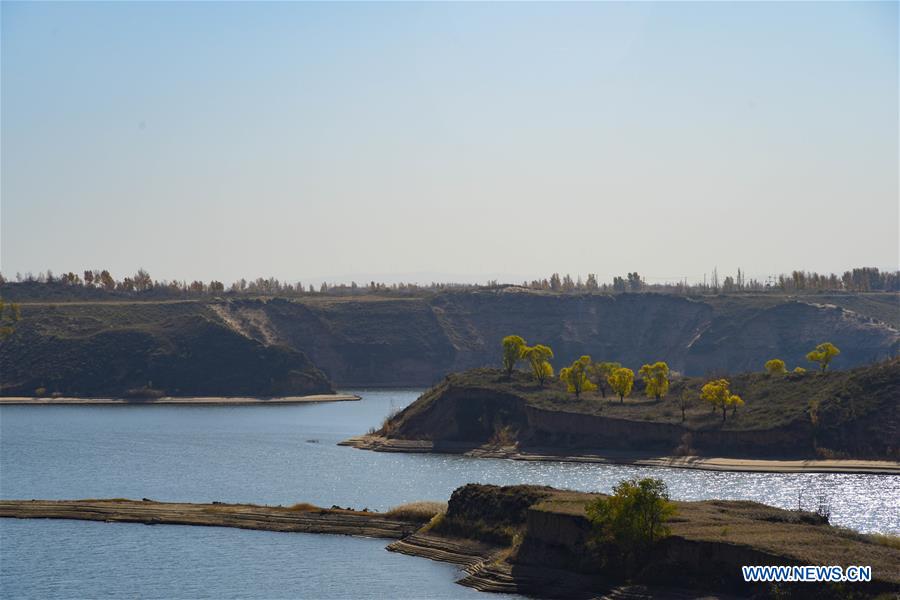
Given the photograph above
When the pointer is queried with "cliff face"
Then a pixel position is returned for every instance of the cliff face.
(554, 553)
(475, 416)
(376, 341)
(416, 341)
(743, 341)
(848, 413)
(106, 351)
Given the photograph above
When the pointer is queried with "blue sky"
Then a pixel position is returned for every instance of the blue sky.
(462, 141)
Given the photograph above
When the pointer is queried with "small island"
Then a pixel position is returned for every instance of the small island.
(773, 420)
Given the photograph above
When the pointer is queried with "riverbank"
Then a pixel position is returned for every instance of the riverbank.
(191, 400)
(302, 518)
(617, 457)
(833, 422)
(539, 541)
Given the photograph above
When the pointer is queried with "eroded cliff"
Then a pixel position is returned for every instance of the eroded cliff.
(378, 341)
(842, 414)
(416, 341)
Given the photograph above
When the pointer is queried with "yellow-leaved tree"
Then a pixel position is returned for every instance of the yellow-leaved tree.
(600, 372)
(823, 354)
(656, 380)
(539, 356)
(576, 376)
(775, 367)
(621, 381)
(718, 394)
(513, 346)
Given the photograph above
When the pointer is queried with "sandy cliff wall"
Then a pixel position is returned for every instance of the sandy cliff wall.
(417, 341)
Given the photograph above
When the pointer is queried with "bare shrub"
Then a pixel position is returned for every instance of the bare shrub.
(387, 426)
(686, 447)
(418, 511)
(823, 507)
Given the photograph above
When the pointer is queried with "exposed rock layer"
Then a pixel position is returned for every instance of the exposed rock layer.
(274, 346)
(841, 415)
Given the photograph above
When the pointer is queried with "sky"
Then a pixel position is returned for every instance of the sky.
(448, 141)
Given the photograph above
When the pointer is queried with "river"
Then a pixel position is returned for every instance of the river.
(284, 454)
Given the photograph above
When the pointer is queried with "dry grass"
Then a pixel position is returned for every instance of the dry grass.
(770, 402)
(388, 426)
(418, 511)
(503, 437)
(434, 523)
(105, 500)
(885, 539)
(801, 536)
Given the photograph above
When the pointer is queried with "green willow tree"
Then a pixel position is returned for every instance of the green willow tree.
(631, 520)
(539, 357)
(513, 346)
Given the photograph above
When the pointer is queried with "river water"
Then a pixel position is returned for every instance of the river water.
(284, 454)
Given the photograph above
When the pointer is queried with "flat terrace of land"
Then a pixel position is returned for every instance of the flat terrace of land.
(303, 518)
(205, 400)
(784, 536)
(840, 421)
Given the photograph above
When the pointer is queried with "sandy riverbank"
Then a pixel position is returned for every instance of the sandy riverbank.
(243, 516)
(201, 400)
(537, 541)
(873, 467)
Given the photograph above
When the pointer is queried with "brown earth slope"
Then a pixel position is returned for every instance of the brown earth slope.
(840, 414)
(416, 341)
(272, 346)
(545, 538)
(146, 349)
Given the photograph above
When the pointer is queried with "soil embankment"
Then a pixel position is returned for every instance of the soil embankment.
(306, 519)
(538, 541)
(842, 421)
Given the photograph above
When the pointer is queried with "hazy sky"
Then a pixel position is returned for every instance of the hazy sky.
(451, 141)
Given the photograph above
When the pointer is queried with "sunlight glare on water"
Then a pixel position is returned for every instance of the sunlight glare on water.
(288, 454)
